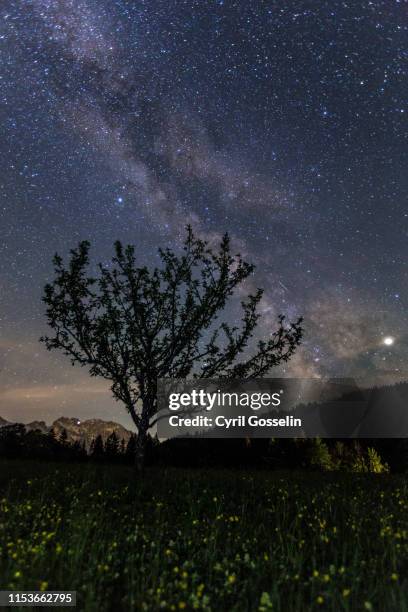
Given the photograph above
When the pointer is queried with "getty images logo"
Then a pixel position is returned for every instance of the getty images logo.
(221, 399)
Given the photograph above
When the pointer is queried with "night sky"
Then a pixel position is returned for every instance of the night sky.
(281, 123)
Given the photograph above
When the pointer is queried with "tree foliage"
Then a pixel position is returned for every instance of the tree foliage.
(132, 326)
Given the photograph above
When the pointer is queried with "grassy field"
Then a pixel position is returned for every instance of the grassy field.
(205, 540)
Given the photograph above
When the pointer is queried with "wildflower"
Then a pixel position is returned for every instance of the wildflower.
(346, 592)
(17, 574)
(231, 578)
(265, 603)
(43, 585)
(319, 600)
(394, 577)
(367, 605)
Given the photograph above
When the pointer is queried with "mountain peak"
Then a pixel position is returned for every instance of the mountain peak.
(78, 430)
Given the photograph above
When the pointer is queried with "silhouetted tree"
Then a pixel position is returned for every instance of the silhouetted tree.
(132, 325)
(77, 450)
(12, 439)
(131, 447)
(112, 446)
(63, 438)
(97, 450)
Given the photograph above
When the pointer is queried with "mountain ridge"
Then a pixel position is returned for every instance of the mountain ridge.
(78, 430)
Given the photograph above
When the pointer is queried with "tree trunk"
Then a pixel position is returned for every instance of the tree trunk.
(140, 450)
(142, 435)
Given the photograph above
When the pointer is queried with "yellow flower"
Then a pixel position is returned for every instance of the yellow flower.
(43, 585)
(394, 577)
(231, 578)
(315, 573)
(319, 600)
(17, 574)
(181, 605)
(346, 592)
(326, 578)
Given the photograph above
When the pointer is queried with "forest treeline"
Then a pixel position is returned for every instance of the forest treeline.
(379, 456)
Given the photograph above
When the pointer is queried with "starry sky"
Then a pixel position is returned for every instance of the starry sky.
(281, 123)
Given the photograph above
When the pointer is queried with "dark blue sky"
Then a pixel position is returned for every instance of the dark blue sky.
(282, 124)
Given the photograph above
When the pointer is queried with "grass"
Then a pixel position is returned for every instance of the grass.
(205, 540)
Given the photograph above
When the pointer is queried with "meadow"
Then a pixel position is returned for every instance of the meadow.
(205, 540)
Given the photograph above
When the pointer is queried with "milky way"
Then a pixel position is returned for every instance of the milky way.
(284, 125)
